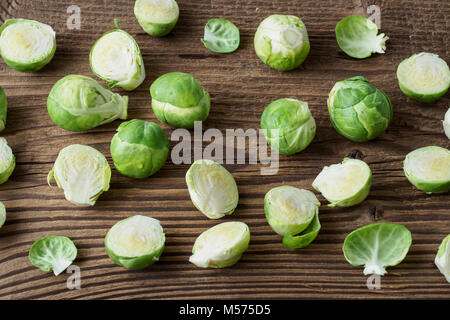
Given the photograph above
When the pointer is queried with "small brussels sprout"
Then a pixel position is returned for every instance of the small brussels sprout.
(281, 41)
(7, 161)
(358, 37)
(221, 36)
(424, 77)
(82, 172)
(156, 17)
(294, 214)
(344, 184)
(359, 111)
(139, 148)
(79, 103)
(221, 246)
(442, 259)
(428, 169)
(53, 253)
(136, 242)
(446, 123)
(3, 109)
(26, 45)
(212, 188)
(179, 100)
(116, 58)
(295, 125)
(2, 214)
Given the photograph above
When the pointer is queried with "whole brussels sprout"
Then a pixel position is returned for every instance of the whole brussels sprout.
(3, 109)
(281, 41)
(179, 100)
(7, 161)
(294, 124)
(139, 148)
(79, 103)
(446, 123)
(157, 17)
(359, 111)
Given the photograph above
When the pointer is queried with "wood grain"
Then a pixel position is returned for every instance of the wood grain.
(240, 86)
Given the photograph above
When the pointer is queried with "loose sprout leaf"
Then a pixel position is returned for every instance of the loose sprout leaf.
(442, 259)
(221, 36)
(305, 237)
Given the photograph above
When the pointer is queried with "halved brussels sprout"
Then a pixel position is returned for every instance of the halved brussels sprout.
(82, 172)
(136, 242)
(116, 58)
(221, 36)
(294, 214)
(53, 253)
(424, 77)
(7, 161)
(221, 246)
(358, 37)
(212, 188)
(156, 17)
(359, 111)
(3, 109)
(442, 259)
(428, 169)
(79, 103)
(179, 100)
(26, 45)
(2, 214)
(344, 184)
(294, 125)
(139, 148)
(446, 123)
(281, 41)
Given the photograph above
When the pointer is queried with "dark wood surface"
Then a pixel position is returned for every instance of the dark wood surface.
(240, 86)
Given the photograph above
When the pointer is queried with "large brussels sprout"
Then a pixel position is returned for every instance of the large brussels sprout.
(288, 125)
(359, 111)
(442, 259)
(221, 36)
(139, 148)
(446, 123)
(79, 103)
(82, 172)
(26, 45)
(179, 100)
(116, 58)
(156, 17)
(281, 41)
(221, 246)
(428, 169)
(7, 161)
(3, 109)
(2, 214)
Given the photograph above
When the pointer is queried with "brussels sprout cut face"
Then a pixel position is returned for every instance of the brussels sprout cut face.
(3, 109)
(442, 259)
(2, 214)
(281, 41)
(446, 123)
(156, 17)
(344, 184)
(7, 161)
(359, 111)
(221, 36)
(221, 246)
(135, 242)
(82, 172)
(294, 125)
(428, 169)
(424, 77)
(377, 246)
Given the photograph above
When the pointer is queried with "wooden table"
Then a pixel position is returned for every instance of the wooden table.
(240, 86)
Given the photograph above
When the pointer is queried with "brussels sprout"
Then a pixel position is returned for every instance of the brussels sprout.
(53, 253)
(376, 246)
(179, 100)
(82, 172)
(344, 184)
(26, 45)
(79, 103)
(116, 58)
(221, 36)
(139, 148)
(442, 259)
(295, 125)
(424, 77)
(136, 242)
(446, 123)
(358, 37)
(281, 41)
(221, 246)
(2, 214)
(359, 111)
(156, 17)
(428, 169)
(7, 161)
(291, 211)
(3, 109)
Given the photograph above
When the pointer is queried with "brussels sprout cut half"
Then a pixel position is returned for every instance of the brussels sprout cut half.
(281, 41)
(3, 109)
(135, 242)
(157, 17)
(221, 246)
(221, 36)
(428, 169)
(442, 259)
(424, 77)
(26, 45)
(82, 172)
(377, 246)
(344, 184)
(7, 161)
(2, 214)
(446, 123)
(53, 253)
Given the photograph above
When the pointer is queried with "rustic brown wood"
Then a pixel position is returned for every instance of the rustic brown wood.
(240, 86)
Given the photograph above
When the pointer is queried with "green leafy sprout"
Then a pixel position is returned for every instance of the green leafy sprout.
(221, 36)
